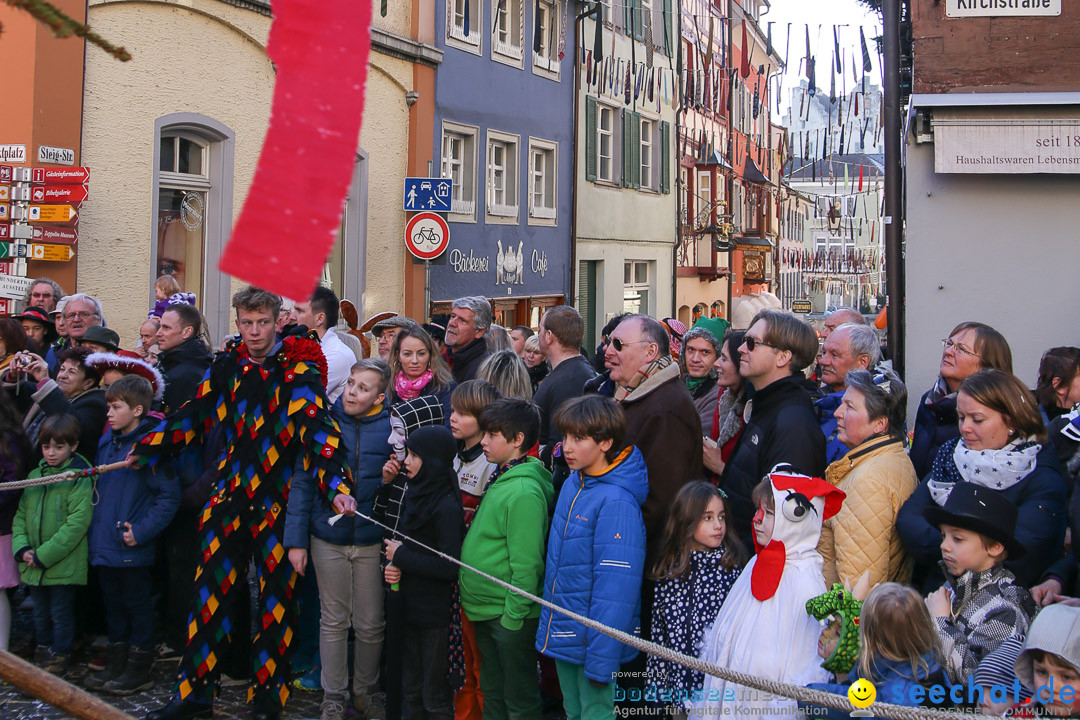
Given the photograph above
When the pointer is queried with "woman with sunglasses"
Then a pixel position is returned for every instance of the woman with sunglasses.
(727, 421)
(969, 348)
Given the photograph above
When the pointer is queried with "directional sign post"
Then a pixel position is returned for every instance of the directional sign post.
(68, 236)
(428, 194)
(59, 193)
(427, 235)
(52, 214)
(56, 176)
(801, 306)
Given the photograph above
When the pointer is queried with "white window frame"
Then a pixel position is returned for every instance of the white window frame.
(649, 154)
(704, 182)
(463, 204)
(634, 286)
(508, 210)
(542, 64)
(612, 134)
(455, 26)
(511, 23)
(548, 212)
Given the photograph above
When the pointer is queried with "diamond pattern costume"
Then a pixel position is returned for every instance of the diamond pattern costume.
(277, 422)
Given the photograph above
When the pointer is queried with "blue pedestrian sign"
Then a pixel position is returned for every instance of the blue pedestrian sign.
(428, 194)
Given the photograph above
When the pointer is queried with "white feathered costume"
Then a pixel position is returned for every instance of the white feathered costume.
(763, 628)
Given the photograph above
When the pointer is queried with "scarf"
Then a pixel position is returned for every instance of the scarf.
(407, 389)
(994, 469)
(939, 392)
(643, 374)
(693, 383)
(727, 420)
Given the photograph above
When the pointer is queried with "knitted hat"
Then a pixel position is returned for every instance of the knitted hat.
(675, 330)
(717, 326)
(102, 362)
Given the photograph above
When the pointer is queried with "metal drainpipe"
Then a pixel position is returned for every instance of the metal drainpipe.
(676, 164)
(894, 185)
(731, 150)
(579, 24)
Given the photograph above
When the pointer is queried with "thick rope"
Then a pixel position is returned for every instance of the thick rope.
(796, 692)
(63, 477)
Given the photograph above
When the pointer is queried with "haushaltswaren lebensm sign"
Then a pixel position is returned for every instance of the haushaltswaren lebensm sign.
(1001, 8)
(1002, 146)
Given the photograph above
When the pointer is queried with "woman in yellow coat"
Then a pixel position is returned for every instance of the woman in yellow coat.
(876, 476)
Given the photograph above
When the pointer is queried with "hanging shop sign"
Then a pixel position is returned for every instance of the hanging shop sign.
(1008, 146)
(1001, 8)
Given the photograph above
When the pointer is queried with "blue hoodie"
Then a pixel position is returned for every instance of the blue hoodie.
(825, 407)
(364, 439)
(894, 682)
(146, 499)
(595, 561)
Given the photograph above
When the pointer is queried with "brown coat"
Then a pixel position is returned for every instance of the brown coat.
(877, 478)
(662, 422)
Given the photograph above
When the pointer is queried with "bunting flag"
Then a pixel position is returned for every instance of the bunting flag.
(466, 20)
(865, 52)
(744, 70)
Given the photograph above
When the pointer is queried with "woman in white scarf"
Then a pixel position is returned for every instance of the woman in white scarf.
(1001, 446)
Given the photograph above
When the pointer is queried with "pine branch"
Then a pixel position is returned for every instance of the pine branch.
(63, 25)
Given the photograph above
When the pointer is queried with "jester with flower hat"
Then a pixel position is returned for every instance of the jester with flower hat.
(269, 394)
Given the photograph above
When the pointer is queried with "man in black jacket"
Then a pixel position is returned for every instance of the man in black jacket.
(561, 333)
(466, 336)
(782, 425)
(184, 357)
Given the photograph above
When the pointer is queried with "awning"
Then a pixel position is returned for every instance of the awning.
(753, 172)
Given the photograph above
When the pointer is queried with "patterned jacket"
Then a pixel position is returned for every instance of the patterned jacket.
(988, 607)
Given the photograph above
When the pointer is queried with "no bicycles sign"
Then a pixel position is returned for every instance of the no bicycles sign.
(427, 235)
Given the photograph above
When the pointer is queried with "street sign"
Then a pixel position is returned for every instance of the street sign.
(58, 176)
(427, 235)
(59, 193)
(802, 306)
(52, 213)
(5, 192)
(55, 253)
(5, 173)
(5, 211)
(13, 153)
(55, 155)
(56, 235)
(14, 287)
(5, 231)
(432, 194)
(10, 250)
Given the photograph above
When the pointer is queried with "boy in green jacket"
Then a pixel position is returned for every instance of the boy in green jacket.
(506, 540)
(49, 541)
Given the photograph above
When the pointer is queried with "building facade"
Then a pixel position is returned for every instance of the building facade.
(625, 221)
(992, 177)
(503, 132)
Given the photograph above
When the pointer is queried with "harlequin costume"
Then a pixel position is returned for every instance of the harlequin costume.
(762, 628)
(277, 423)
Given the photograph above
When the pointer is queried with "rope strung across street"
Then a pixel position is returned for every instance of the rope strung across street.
(796, 692)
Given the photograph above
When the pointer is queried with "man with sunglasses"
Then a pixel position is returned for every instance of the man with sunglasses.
(782, 426)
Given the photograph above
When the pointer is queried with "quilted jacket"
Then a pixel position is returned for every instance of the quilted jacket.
(878, 478)
(988, 608)
(595, 561)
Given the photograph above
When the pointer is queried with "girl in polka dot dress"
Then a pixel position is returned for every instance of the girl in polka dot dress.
(698, 564)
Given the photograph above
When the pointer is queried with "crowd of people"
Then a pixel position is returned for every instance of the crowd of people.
(756, 498)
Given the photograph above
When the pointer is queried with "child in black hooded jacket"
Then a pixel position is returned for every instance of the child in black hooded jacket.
(432, 515)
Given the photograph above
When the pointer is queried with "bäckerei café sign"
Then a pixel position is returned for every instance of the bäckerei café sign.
(1001, 8)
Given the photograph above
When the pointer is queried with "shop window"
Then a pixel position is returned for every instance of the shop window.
(192, 210)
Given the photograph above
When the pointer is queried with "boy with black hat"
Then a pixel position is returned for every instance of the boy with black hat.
(980, 605)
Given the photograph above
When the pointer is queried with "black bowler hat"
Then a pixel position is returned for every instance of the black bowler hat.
(982, 510)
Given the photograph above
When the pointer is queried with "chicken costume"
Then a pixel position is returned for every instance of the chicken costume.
(762, 628)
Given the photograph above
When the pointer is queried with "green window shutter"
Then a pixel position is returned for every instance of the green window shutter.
(639, 20)
(590, 139)
(665, 157)
(635, 140)
(628, 16)
(628, 154)
(667, 29)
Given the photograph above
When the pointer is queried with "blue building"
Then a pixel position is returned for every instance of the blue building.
(504, 132)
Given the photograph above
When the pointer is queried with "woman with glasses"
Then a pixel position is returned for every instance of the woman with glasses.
(1001, 446)
(75, 391)
(969, 348)
(877, 477)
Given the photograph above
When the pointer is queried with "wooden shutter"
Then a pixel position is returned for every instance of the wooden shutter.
(590, 139)
(668, 49)
(635, 147)
(628, 153)
(665, 157)
(639, 19)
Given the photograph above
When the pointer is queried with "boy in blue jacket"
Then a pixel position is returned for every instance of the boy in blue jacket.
(596, 555)
(346, 555)
(134, 505)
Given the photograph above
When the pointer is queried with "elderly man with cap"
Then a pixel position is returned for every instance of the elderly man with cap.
(386, 330)
(80, 312)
